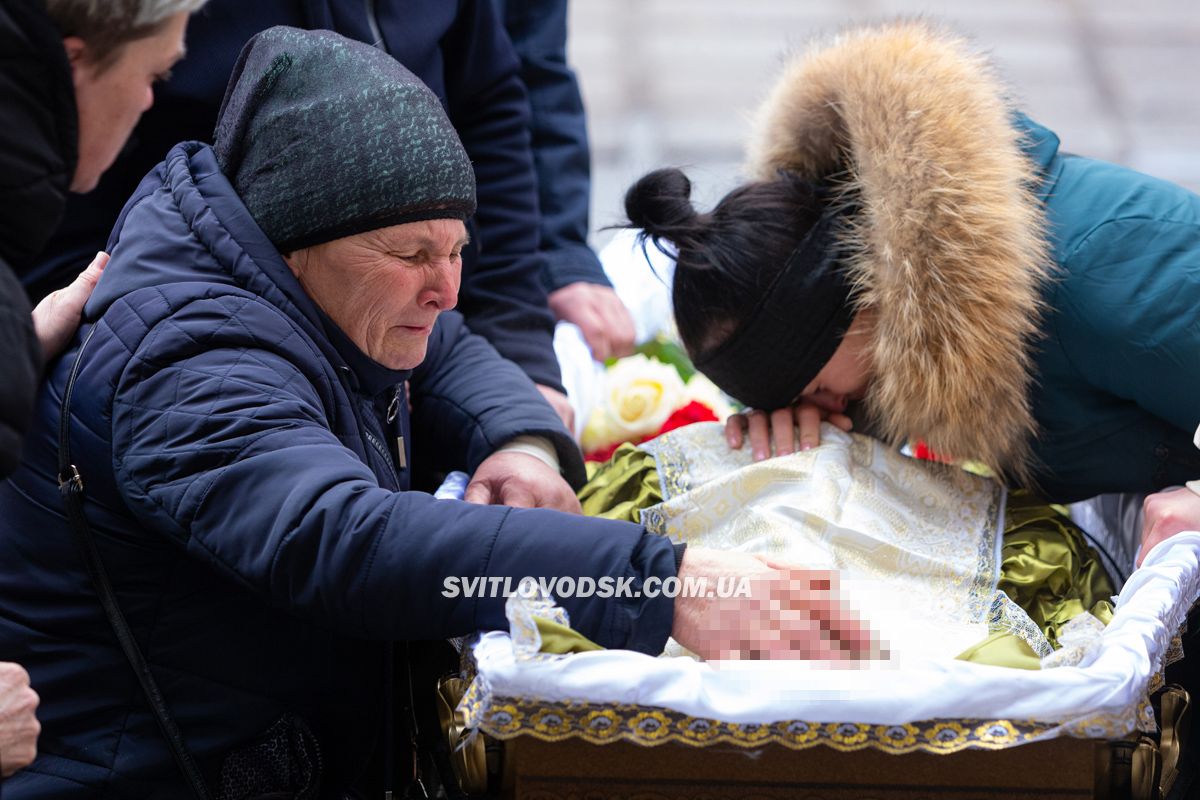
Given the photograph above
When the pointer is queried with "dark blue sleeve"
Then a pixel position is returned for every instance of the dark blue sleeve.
(538, 29)
(468, 400)
(502, 295)
(221, 441)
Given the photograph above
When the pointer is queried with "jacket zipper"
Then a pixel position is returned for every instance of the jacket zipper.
(379, 448)
(392, 411)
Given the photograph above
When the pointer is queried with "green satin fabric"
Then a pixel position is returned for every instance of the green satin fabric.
(1046, 566)
(622, 486)
(560, 639)
(1002, 649)
(1048, 569)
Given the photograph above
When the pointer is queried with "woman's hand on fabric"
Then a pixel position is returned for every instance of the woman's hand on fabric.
(515, 479)
(786, 430)
(790, 613)
(1166, 514)
(19, 727)
(57, 316)
(604, 320)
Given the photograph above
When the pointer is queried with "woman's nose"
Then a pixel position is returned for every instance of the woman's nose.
(442, 286)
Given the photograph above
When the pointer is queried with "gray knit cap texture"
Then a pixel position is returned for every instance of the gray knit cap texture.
(325, 137)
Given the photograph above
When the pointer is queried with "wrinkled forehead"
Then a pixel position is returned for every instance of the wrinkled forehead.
(432, 234)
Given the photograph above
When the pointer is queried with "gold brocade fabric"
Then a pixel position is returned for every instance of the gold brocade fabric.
(1042, 566)
(1046, 571)
(507, 717)
(914, 544)
(1046, 566)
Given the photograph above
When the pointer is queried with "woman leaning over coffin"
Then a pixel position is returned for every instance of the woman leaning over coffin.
(917, 254)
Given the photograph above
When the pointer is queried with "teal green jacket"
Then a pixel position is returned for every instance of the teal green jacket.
(1117, 393)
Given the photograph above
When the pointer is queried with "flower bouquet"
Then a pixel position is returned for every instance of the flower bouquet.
(644, 395)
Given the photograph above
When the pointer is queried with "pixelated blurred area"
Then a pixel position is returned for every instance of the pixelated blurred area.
(671, 82)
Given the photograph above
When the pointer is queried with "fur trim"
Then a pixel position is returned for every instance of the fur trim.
(949, 248)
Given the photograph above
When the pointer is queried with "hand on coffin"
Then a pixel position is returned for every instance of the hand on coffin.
(791, 612)
(796, 427)
(519, 480)
(1166, 514)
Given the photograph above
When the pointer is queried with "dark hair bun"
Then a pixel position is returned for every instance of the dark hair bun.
(660, 204)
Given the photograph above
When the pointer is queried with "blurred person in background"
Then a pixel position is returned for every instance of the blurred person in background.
(75, 76)
(580, 292)
(462, 52)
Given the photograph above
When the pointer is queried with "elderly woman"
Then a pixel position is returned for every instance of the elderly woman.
(237, 418)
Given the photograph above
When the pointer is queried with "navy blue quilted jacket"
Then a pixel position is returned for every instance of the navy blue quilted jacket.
(250, 504)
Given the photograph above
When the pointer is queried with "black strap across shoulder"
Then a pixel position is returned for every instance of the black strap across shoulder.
(70, 484)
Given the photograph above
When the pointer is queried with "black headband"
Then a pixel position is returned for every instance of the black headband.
(793, 330)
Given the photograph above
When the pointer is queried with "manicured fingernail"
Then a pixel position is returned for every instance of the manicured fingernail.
(805, 447)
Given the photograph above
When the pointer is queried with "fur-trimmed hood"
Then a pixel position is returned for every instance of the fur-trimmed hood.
(949, 247)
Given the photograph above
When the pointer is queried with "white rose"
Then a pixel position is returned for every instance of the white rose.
(639, 394)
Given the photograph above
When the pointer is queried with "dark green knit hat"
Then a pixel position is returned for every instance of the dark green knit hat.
(325, 137)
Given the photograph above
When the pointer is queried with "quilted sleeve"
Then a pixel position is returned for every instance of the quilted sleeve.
(469, 400)
(224, 439)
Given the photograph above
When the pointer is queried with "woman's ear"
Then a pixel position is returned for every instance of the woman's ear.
(79, 57)
(295, 260)
(76, 50)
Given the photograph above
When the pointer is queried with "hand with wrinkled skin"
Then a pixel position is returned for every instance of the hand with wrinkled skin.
(605, 321)
(57, 316)
(508, 478)
(1166, 514)
(19, 727)
(561, 405)
(792, 429)
(793, 613)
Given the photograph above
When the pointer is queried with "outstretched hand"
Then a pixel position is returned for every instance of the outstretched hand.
(57, 316)
(791, 429)
(791, 612)
(522, 481)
